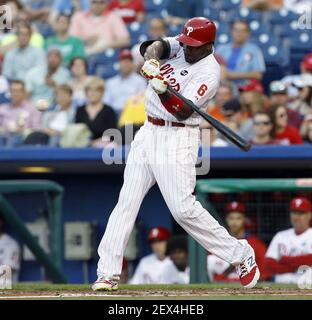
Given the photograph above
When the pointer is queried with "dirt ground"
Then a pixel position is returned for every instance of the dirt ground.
(264, 292)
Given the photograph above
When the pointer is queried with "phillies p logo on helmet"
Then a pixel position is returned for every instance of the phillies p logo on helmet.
(189, 30)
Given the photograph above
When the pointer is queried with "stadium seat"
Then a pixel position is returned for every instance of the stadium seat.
(300, 45)
(265, 39)
(229, 4)
(138, 32)
(302, 41)
(223, 33)
(108, 57)
(282, 16)
(209, 11)
(174, 30)
(289, 29)
(257, 28)
(155, 6)
(245, 14)
(106, 71)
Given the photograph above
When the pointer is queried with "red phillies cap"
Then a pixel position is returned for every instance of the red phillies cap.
(235, 206)
(125, 54)
(252, 85)
(307, 61)
(158, 234)
(300, 204)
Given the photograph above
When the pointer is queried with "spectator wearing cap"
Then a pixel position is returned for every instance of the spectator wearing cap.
(236, 119)
(305, 73)
(125, 84)
(303, 103)
(262, 126)
(150, 268)
(244, 59)
(282, 130)
(70, 47)
(178, 270)
(252, 98)
(128, 10)
(99, 28)
(279, 96)
(18, 61)
(42, 80)
(224, 93)
(236, 221)
(292, 248)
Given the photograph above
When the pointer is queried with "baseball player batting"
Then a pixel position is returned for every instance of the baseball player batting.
(165, 149)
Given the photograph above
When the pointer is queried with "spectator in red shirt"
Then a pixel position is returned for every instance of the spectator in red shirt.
(236, 220)
(128, 10)
(282, 130)
(263, 128)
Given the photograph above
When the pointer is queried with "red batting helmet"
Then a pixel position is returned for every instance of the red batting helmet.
(197, 32)
(300, 204)
(158, 234)
(235, 206)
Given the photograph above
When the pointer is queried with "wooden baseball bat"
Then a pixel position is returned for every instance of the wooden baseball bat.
(223, 129)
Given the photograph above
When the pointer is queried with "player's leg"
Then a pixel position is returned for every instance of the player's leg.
(138, 179)
(177, 182)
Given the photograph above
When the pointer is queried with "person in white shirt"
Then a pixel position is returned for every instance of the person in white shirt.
(150, 268)
(292, 248)
(125, 84)
(9, 252)
(177, 272)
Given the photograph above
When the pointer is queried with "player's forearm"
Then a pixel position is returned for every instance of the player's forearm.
(184, 112)
(154, 51)
(277, 267)
(298, 261)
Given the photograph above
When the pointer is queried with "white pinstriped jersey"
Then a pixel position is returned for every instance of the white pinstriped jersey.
(288, 243)
(197, 82)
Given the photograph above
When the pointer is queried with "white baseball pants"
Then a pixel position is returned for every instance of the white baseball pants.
(166, 155)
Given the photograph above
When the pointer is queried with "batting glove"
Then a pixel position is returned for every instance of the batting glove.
(150, 69)
(159, 84)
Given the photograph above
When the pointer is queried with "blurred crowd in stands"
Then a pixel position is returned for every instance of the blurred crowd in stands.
(70, 69)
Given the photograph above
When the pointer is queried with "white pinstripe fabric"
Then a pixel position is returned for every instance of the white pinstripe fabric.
(187, 78)
(166, 155)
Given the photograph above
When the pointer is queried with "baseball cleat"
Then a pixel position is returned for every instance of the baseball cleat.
(105, 284)
(248, 272)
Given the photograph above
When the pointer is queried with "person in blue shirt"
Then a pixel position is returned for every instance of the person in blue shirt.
(244, 60)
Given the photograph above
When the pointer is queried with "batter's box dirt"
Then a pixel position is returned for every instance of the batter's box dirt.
(199, 291)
